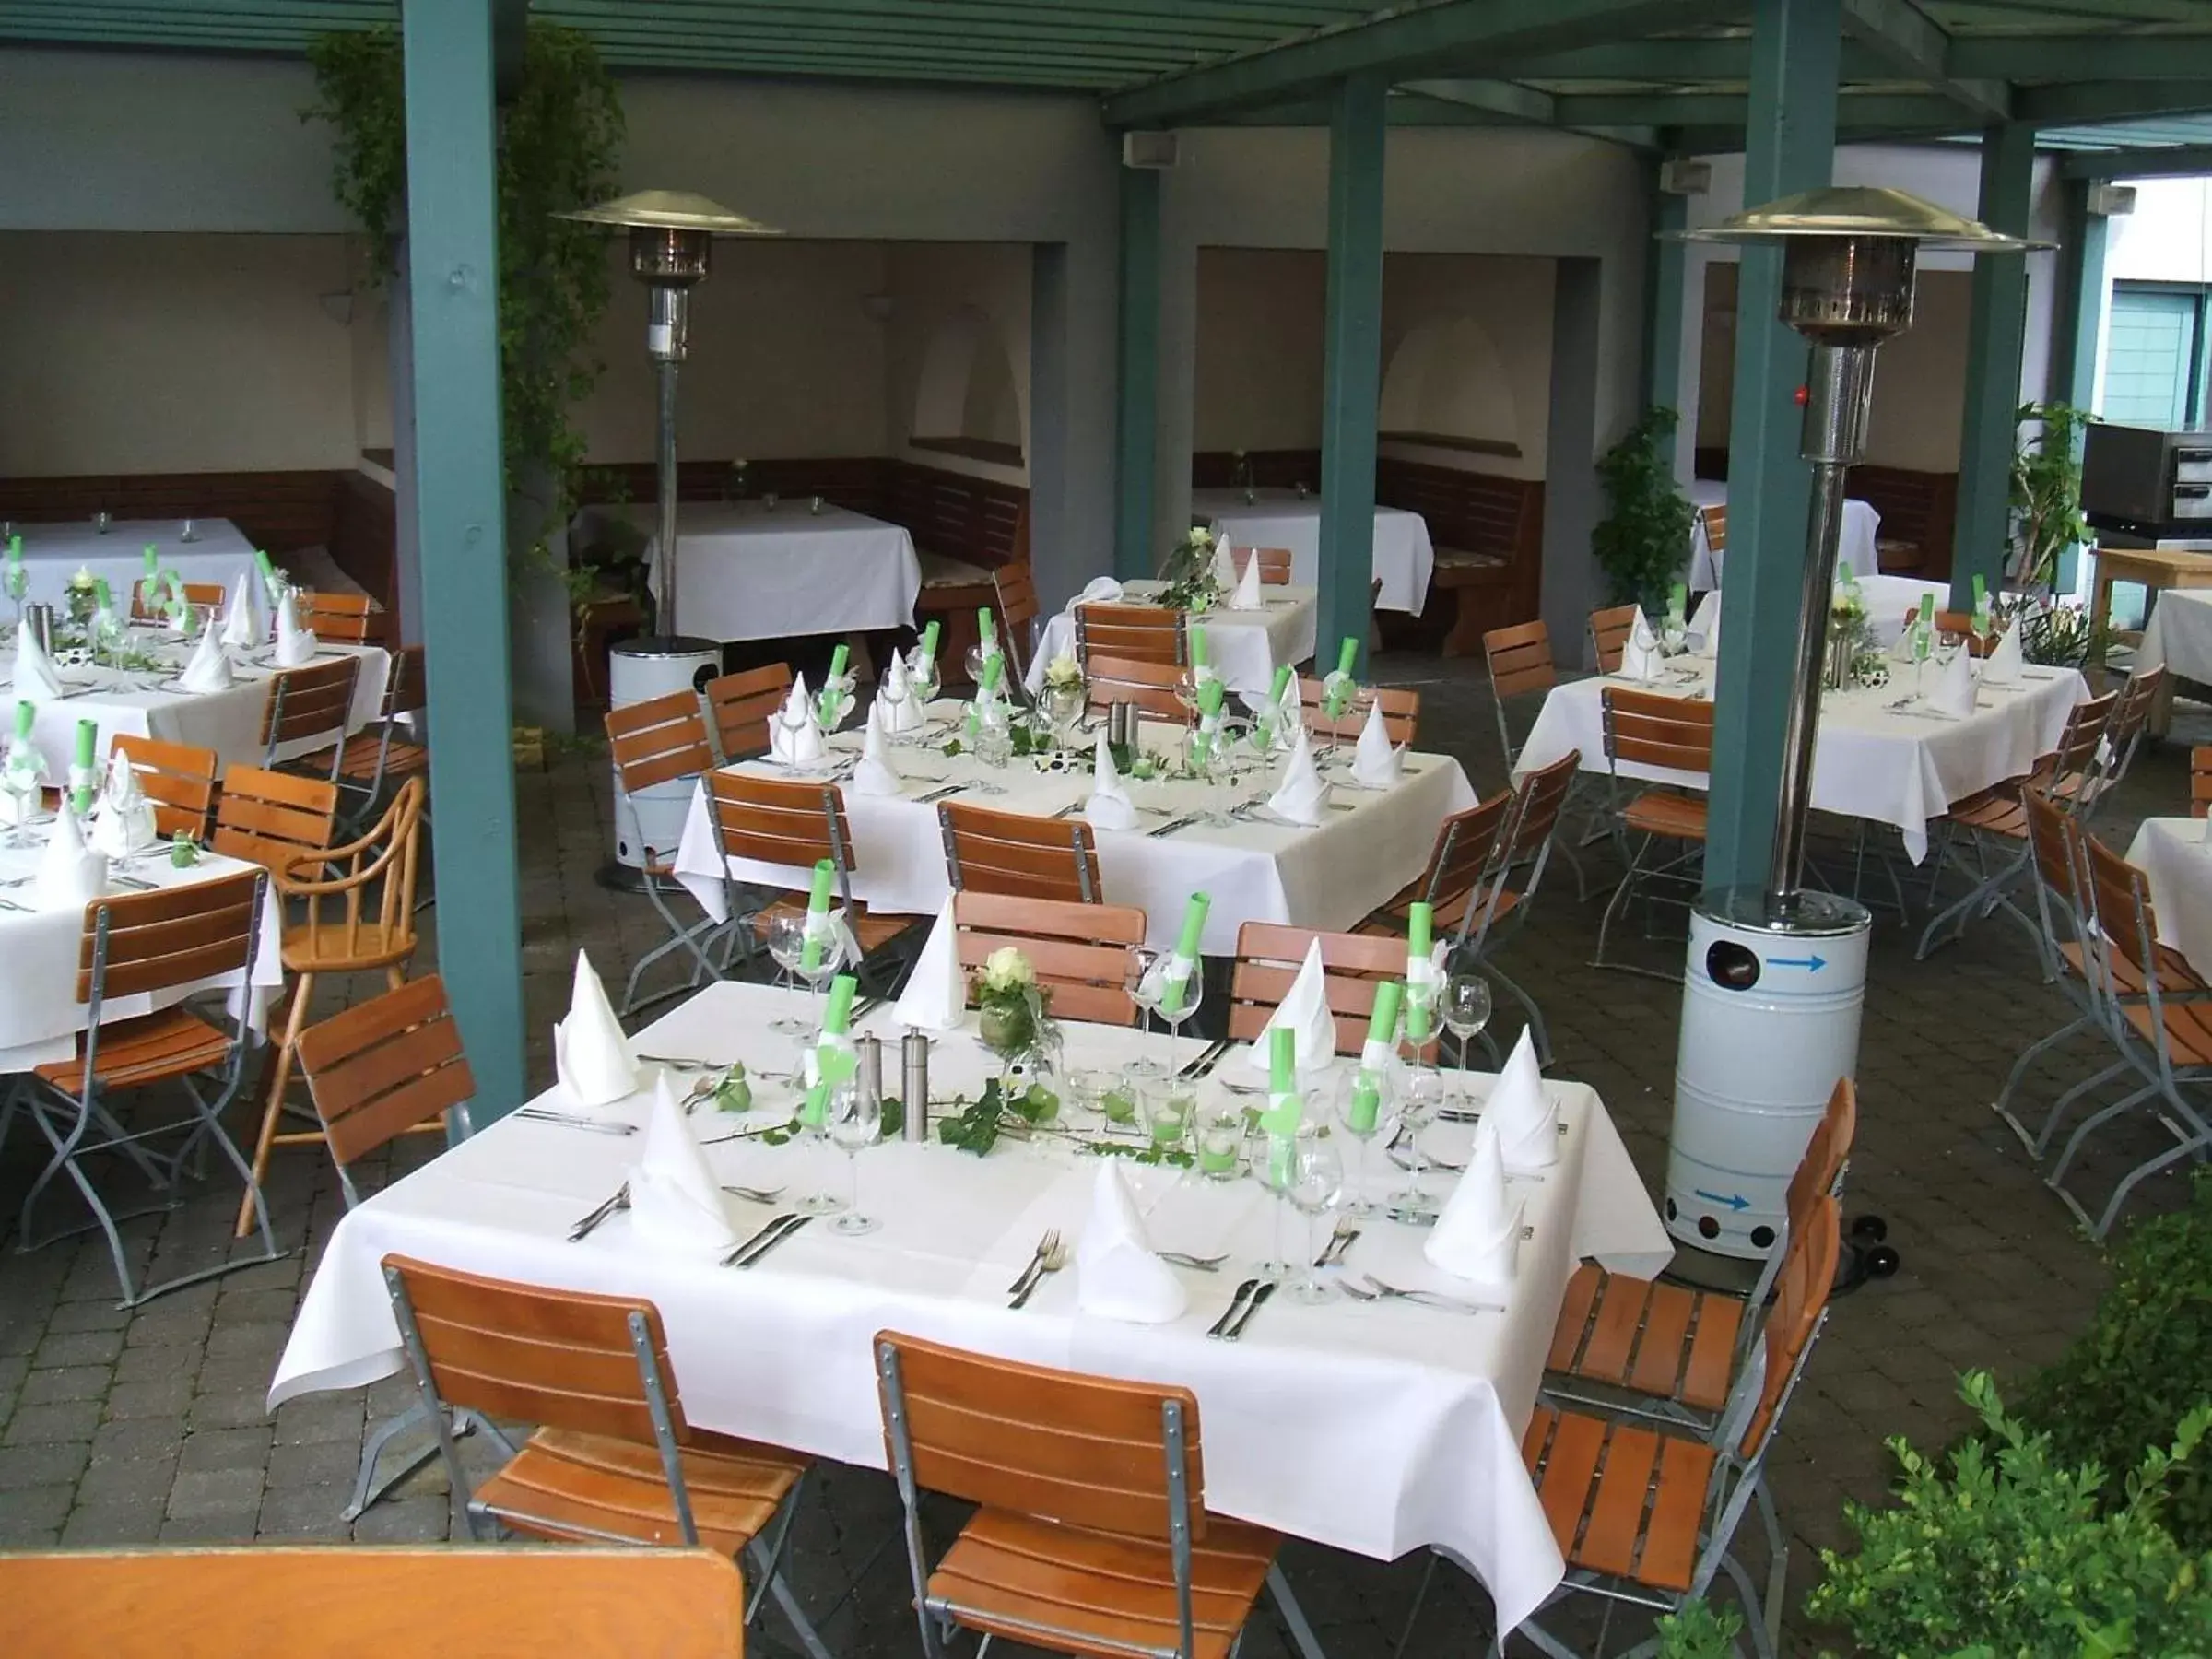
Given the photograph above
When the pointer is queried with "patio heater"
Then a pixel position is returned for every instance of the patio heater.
(671, 250)
(1776, 977)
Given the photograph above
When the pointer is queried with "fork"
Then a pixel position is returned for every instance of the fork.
(1376, 1291)
(1198, 1263)
(755, 1194)
(1051, 1258)
(583, 1229)
(1036, 1262)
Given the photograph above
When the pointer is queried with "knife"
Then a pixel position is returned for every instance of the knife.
(1205, 1062)
(1173, 825)
(797, 1222)
(1252, 1307)
(775, 1224)
(1236, 1306)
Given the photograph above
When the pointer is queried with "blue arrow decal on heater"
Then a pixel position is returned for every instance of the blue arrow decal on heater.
(1812, 964)
(1735, 1201)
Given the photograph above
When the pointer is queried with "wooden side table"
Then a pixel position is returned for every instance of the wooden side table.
(2158, 568)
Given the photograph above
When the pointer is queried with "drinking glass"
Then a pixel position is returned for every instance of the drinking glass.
(1420, 1097)
(1674, 633)
(24, 773)
(1221, 1143)
(1315, 1188)
(1170, 1104)
(18, 589)
(856, 1118)
(1141, 981)
(1193, 992)
(1466, 1011)
(1063, 707)
(834, 700)
(1356, 1201)
(927, 679)
(894, 701)
(787, 945)
(993, 732)
(1119, 1101)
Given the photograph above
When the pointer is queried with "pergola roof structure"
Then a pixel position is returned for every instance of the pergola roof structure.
(1672, 74)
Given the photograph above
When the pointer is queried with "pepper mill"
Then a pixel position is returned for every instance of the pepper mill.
(38, 621)
(868, 1052)
(913, 1057)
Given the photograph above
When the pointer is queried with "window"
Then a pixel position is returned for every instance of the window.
(2155, 357)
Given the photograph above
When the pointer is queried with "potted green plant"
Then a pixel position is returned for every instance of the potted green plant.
(1643, 540)
(2046, 493)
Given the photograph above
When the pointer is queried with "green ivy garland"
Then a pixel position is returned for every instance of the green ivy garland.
(558, 142)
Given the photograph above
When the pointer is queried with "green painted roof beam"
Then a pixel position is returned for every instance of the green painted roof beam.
(1870, 112)
(2070, 57)
(2086, 101)
(1904, 35)
(1399, 43)
(1136, 56)
(2181, 162)
(1517, 104)
(1214, 27)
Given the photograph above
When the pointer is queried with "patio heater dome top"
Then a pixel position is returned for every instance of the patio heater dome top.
(671, 210)
(1859, 210)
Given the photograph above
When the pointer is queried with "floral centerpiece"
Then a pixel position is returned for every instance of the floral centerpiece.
(1010, 1004)
(1060, 700)
(1188, 570)
(1849, 639)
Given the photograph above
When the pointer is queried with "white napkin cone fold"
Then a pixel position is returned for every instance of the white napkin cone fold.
(1900, 649)
(1117, 1277)
(1522, 1111)
(1376, 765)
(1245, 596)
(70, 874)
(1478, 1235)
(901, 713)
(590, 1056)
(2004, 665)
(125, 823)
(241, 627)
(1225, 564)
(795, 731)
(1305, 1010)
(1640, 652)
(875, 775)
(935, 998)
(1300, 796)
(1952, 696)
(36, 678)
(675, 1202)
(209, 670)
(295, 644)
(1108, 806)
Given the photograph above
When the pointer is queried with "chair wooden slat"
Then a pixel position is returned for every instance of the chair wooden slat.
(1401, 713)
(1569, 1467)
(309, 704)
(1808, 1274)
(1138, 633)
(171, 936)
(384, 1067)
(1616, 1518)
(1666, 1321)
(658, 740)
(1353, 966)
(1016, 852)
(1574, 1315)
(1520, 659)
(742, 705)
(1609, 634)
(1080, 951)
(177, 779)
(1152, 688)
(1274, 564)
(1670, 1543)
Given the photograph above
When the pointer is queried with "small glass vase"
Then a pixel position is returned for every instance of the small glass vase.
(1006, 1029)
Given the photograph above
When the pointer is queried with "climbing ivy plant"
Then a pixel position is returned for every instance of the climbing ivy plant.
(558, 141)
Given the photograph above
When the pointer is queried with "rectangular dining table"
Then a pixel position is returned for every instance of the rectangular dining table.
(1403, 557)
(1857, 550)
(2176, 860)
(54, 552)
(1244, 647)
(1871, 759)
(1369, 844)
(1376, 1428)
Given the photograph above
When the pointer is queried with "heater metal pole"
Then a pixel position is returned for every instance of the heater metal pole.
(664, 343)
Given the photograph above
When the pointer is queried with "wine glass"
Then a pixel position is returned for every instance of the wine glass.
(926, 679)
(894, 699)
(787, 945)
(1315, 1188)
(855, 1119)
(1193, 992)
(832, 702)
(1141, 981)
(1466, 1010)
(1364, 1115)
(1420, 1098)
(18, 589)
(23, 776)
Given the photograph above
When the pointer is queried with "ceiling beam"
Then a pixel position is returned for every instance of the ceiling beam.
(1401, 43)
(2183, 161)
(2071, 57)
(1901, 113)
(2084, 103)
(1905, 37)
(1512, 103)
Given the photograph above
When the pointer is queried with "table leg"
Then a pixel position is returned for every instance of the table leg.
(2101, 615)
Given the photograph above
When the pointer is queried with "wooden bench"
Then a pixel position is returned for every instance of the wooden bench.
(1488, 536)
(1919, 515)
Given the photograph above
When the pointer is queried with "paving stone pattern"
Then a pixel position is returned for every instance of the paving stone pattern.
(122, 1428)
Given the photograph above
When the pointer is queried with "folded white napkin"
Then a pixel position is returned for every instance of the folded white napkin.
(1952, 696)
(1245, 596)
(675, 1202)
(935, 998)
(1305, 1010)
(794, 732)
(125, 823)
(70, 874)
(1108, 806)
(1640, 652)
(1522, 1109)
(241, 627)
(875, 775)
(1376, 765)
(1900, 651)
(1225, 563)
(1300, 795)
(1478, 1235)
(1117, 1277)
(295, 644)
(902, 713)
(209, 669)
(1098, 590)
(590, 1056)
(2003, 666)
(1709, 646)
(36, 678)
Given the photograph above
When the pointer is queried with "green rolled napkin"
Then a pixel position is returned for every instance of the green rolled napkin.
(1284, 1108)
(929, 639)
(986, 628)
(818, 904)
(834, 1059)
(1279, 684)
(1375, 1059)
(83, 764)
(838, 659)
(153, 558)
(107, 595)
(1348, 654)
(1175, 976)
(993, 666)
(27, 717)
(14, 549)
(1420, 921)
(1197, 637)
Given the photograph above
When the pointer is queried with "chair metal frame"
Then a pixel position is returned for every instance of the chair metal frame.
(688, 730)
(47, 1105)
(406, 691)
(1013, 591)
(284, 687)
(1648, 706)
(1539, 674)
(1530, 834)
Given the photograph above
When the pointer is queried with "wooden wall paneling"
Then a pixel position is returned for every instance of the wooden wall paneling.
(364, 542)
(1488, 536)
(1271, 469)
(1920, 513)
(279, 510)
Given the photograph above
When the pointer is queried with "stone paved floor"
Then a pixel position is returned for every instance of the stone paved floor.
(127, 1429)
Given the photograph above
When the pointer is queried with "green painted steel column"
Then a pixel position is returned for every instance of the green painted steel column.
(2077, 318)
(1351, 362)
(1662, 282)
(1993, 337)
(1136, 395)
(453, 292)
(1790, 146)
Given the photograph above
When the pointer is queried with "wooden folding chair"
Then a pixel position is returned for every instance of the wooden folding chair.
(339, 619)
(1716, 527)
(2200, 780)
(307, 710)
(1274, 564)
(1157, 690)
(1962, 624)
(2124, 733)
(1016, 590)
(384, 753)
(203, 596)
(1519, 662)
(271, 818)
(177, 779)
(179, 1602)
(1081, 951)
(381, 1069)
(793, 824)
(613, 1459)
(1401, 713)
(1645, 728)
(157, 948)
(355, 939)
(1093, 1536)
(1508, 889)
(1353, 966)
(742, 704)
(654, 742)
(1666, 1351)
(1451, 881)
(1130, 633)
(1018, 854)
(1609, 636)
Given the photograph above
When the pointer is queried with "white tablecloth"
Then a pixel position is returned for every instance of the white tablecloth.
(1870, 760)
(1371, 845)
(2175, 855)
(1855, 550)
(1280, 518)
(1371, 1428)
(228, 721)
(39, 1015)
(745, 573)
(1244, 646)
(1887, 599)
(2178, 634)
(54, 553)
